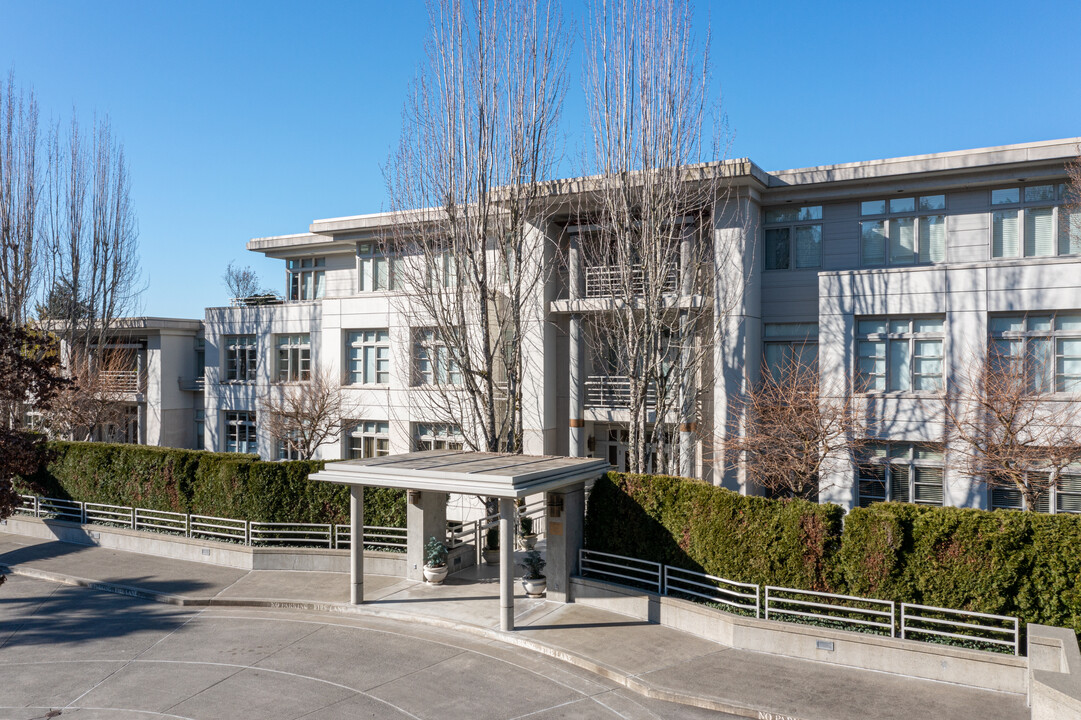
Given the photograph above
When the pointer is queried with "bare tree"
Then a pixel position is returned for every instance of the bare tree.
(478, 137)
(96, 402)
(1010, 428)
(304, 416)
(651, 210)
(20, 194)
(791, 429)
(243, 282)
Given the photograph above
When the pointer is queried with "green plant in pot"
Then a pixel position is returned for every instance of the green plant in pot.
(525, 532)
(435, 561)
(491, 546)
(534, 581)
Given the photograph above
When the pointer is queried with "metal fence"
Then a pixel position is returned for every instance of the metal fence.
(981, 631)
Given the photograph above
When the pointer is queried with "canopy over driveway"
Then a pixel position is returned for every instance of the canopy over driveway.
(430, 475)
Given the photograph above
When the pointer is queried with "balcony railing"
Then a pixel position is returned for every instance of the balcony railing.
(612, 280)
(613, 391)
(120, 380)
(192, 384)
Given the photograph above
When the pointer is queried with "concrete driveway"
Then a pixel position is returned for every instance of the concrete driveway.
(91, 655)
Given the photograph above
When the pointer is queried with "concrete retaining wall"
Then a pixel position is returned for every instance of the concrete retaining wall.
(1054, 673)
(1003, 673)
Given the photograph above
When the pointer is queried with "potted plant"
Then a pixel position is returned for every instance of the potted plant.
(534, 581)
(525, 531)
(491, 547)
(435, 561)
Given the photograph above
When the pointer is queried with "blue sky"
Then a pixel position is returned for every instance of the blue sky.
(249, 119)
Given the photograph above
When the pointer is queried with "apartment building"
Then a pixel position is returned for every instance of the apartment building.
(891, 272)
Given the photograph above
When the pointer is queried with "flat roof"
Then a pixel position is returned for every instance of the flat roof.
(473, 473)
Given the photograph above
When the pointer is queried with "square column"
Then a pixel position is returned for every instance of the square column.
(506, 564)
(564, 535)
(356, 543)
(425, 517)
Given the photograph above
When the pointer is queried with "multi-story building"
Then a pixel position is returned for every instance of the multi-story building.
(893, 272)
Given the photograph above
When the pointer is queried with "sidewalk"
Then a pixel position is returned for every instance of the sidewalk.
(650, 659)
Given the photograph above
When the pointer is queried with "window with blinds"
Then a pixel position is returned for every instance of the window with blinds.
(903, 231)
(1031, 222)
(1046, 347)
(901, 472)
(899, 354)
(1063, 497)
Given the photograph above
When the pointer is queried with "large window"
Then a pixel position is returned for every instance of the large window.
(899, 354)
(900, 472)
(438, 437)
(1031, 222)
(789, 346)
(1063, 497)
(294, 358)
(793, 237)
(367, 439)
(240, 357)
(903, 231)
(200, 423)
(442, 270)
(369, 357)
(1046, 347)
(307, 278)
(434, 363)
(289, 446)
(376, 269)
(240, 432)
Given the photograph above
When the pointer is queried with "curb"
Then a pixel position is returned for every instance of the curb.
(631, 682)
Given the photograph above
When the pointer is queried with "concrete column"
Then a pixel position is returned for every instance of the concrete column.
(356, 544)
(686, 396)
(564, 538)
(574, 268)
(577, 444)
(506, 564)
(426, 517)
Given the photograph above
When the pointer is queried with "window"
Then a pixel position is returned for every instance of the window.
(903, 231)
(200, 357)
(438, 437)
(289, 446)
(294, 358)
(899, 354)
(307, 278)
(368, 439)
(377, 270)
(901, 472)
(240, 357)
(790, 345)
(1031, 221)
(369, 357)
(240, 432)
(1064, 497)
(1046, 347)
(793, 237)
(434, 364)
(200, 421)
(442, 270)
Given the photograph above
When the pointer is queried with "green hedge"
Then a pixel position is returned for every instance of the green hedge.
(206, 483)
(691, 524)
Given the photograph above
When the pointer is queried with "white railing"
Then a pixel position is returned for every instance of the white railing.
(636, 572)
(291, 534)
(460, 533)
(108, 514)
(218, 527)
(376, 537)
(613, 391)
(830, 608)
(192, 384)
(712, 589)
(120, 380)
(60, 509)
(618, 280)
(161, 521)
(917, 620)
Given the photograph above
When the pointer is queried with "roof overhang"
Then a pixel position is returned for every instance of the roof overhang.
(468, 473)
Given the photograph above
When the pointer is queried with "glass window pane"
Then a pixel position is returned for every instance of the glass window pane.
(783, 215)
(927, 325)
(928, 486)
(1005, 499)
(808, 246)
(929, 452)
(873, 242)
(1068, 321)
(791, 330)
(903, 241)
(1069, 238)
(1039, 232)
(1007, 323)
(1004, 234)
(777, 249)
(1005, 196)
(933, 238)
(933, 202)
(320, 285)
(1069, 364)
(872, 327)
(899, 483)
(1040, 193)
(900, 368)
(873, 207)
(902, 205)
(1041, 364)
(810, 212)
(900, 326)
(1039, 323)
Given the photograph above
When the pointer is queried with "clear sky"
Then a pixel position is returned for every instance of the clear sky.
(250, 119)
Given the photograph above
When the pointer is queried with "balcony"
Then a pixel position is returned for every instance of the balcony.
(613, 280)
(125, 381)
(613, 392)
(192, 384)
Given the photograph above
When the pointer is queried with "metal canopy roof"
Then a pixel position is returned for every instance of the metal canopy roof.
(474, 473)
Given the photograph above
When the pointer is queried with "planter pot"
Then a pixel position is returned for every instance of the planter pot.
(534, 587)
(529, 541)
(491, 557)
(435, 575)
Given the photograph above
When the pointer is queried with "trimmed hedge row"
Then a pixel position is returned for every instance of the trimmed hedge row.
(206, 483)
(1004, 562)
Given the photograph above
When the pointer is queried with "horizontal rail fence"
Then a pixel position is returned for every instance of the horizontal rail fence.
(830, 610)
(701, 587)
(60, 509)
(460, 533)
(376, 537)
(219, 528)
(161, 521)
(103, 514)
(301, 534)
(619, 568)
(924, 622)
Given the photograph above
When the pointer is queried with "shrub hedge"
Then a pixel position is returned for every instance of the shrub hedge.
(206, 483)
(1004, 562)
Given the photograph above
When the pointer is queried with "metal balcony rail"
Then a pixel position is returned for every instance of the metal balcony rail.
(830, 609)
(102, 514)
(613, 391)
(120, 380)
(318, 534)
(921, 622)
(192, 384)
(376, 537)
(604, 566)
(712, 589)
(616, 280)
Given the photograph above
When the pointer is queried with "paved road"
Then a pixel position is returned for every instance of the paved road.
(94, 655)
